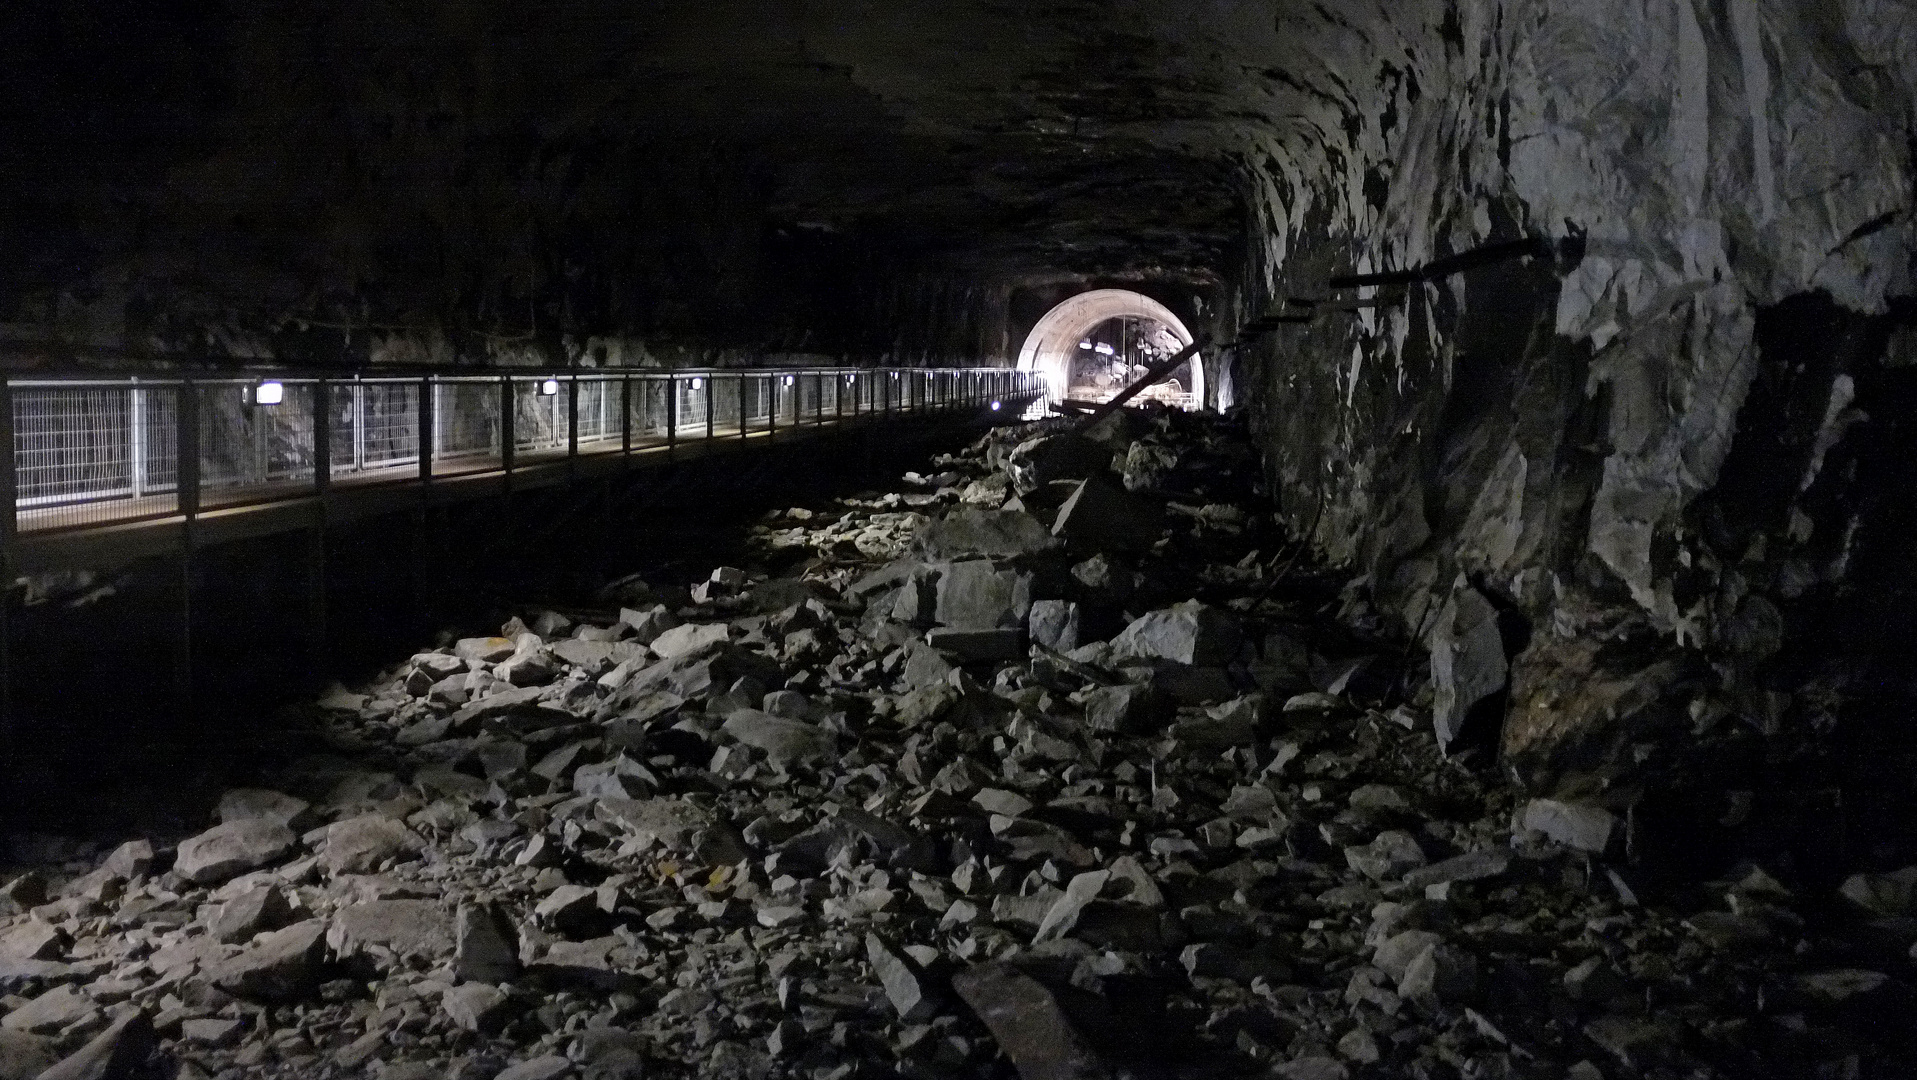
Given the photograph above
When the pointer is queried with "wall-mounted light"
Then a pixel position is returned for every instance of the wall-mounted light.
(269, 393)
(698, 384)
(994, 406)
(1084, 344)
(549, 388)
(788, 380)
(1103, 349)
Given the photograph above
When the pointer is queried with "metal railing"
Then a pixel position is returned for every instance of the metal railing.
(89, 452)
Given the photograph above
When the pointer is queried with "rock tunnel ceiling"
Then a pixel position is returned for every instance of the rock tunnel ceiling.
(1579, 335)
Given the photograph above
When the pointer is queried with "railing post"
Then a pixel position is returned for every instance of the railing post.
(709, 383)
(187, 451)
(508, 420)
(426, 385)
(322, 436)
(572, 427)
(136, 435)
(672, 416)
(774, 384)
(625, 414)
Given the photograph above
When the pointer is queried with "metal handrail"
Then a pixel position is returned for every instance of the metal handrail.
(86, 451)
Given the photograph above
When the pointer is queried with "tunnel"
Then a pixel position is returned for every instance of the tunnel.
(1090, 345)
(836, 539)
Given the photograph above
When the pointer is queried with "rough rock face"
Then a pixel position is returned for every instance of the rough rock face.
(1665, 424)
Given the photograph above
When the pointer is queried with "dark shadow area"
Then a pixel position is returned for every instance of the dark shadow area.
(97, 694)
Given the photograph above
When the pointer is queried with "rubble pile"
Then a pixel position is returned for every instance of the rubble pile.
(1053, 765)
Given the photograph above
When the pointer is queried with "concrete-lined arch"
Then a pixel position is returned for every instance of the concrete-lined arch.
(1054, 341)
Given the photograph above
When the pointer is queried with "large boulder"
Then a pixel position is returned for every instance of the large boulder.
(1190, 633)
(360, 845)
(230, 849)
(976, 595)
(286, 965)
(783, 741)
(995, 533)
(1040, 461)
(1029, 1024)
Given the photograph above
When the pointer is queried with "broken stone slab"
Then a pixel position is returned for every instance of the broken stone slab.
(121, 1052)
(1131, 709)
(230, 849)
(1190, 633)
(484, 650)
(239, 919)
(1480, 865)
(607, 1053)
(646, 626)
(974, 594)
(1048, 459)
(674, 823)
(1440, 976)
(545, 1067)
(1575, 825)
(1389, 857)
(132, 859)
(476, 1007)
(993, 533)
(1891, 895)
(363, 844)
(1101, 515)
(906, 986)
(1053, 624)
(284, 966)
(1394, 955)
(1063, 915)
(404, 927)
(783, 741)
(52, 1011)
(485, 949)
(33, 940)
(689, 640)
(1028, 1024)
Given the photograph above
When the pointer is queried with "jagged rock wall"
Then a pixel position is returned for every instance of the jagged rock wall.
(1658, 453)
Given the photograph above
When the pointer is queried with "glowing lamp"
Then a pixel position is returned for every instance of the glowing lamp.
(269, 393)
(549, 388)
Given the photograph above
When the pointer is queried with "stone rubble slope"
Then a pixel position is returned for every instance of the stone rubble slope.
(1051, 766)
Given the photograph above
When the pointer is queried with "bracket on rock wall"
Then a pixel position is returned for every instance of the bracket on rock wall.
(1571, 249)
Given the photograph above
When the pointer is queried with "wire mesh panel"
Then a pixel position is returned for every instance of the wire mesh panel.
(465, 423)
(539, 415)
(755, 396)
(249, 443)
(650, 397)
(386, 426)
(727, 393)
(808, 398)
(692, 403)
(92, 454)
(598, 410)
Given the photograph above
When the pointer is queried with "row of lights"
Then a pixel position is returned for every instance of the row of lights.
(1101, 348)
(273, 392)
